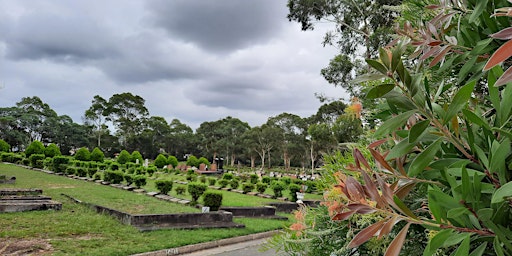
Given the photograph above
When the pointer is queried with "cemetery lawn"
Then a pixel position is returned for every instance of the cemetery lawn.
(78, 230)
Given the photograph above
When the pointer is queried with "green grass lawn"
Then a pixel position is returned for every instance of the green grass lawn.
(78, 230)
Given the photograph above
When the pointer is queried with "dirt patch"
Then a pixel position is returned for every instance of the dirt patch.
(53, 186)
(18, 247)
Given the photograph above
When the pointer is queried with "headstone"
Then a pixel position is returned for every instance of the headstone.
(205, 209)
(137, 161)
(146, 162)
(202, 167)
(213, 167)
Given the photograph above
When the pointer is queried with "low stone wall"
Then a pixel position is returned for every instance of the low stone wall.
(147, 222)
(255, 212)
(290, 207)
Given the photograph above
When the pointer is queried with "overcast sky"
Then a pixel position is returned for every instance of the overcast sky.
(192, 60)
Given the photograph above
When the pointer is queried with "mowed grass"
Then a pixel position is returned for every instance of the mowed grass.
(78, 230)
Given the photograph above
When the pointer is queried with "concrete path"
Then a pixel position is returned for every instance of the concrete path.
(249, 248)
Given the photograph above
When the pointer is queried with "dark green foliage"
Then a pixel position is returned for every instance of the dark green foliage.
(164, 186)
(286, 180)
(91, 171)
(97, 155)
(294, 188)
(48, 163)
(114, 166)
(191, 177)
(266, 179)
(4, 146)
(180, 190)
(312, 186)
(36, 160)
(83, 154)
(115, 177)
(203, 160)
(140, 170)
(36, 147)
(151, 170)
(212, 199)
(172, 160)
(196, 190)
(261, 187)
(212, 181)
(81, 171)
(234, 184)
(128, 178)
(254, 178)
(60, 163)
(192, 161)
(160, 161)
(139, 180)
(202, 179)
(227, 176)
(223, 183)
(136, 155)
(247, 187)
(124, 157)
(97, 176)
(102, 166)
(277, 187)
(52, 150)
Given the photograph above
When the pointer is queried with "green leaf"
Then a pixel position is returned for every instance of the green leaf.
(474, 118)
(384, 56)
(480, 47)
(497, 247)
(479, 8)
(401, 148)
(457, 212)
(485, 214)
(378, 66)
(460, 100)
(501, 193)
(403, 208)
(506, 105)
(479, 251)
(379, 91)
(497, 161)
(394, 123)
(466, 68)
(368, 77)
(463, 249)
(423, 159)
(417, 130)
(437, 241)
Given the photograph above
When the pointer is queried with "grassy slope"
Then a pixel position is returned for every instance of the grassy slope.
(77, 230)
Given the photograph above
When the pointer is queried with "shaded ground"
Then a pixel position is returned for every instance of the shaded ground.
(16, 247)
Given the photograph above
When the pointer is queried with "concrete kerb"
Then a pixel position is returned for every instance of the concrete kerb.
(208, 245)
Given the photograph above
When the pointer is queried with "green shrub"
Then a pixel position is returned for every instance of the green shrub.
(234, 184)
(128, 178)
(60, 164)
(212, 181)
(202, 179)
(48, 163)
(277, 187)
(172, 160)
(36, 160)
(83, 154)
(192, 161)
(70, 170)
(136, 155)
(202, 160)
(254, 178)
(286, 180)
(115, 177)
(4, 146)
(312, 186)
(25, 161)
(124, 157)
(151, 170)
(81, 171)
(180, 190)
(139, 180)
(140, 170)
(212, 199)
(91, 171)
(265, 179)
(227, 176)
(164, 186)
(114, 166)
(97, 176)
(247, 187)
(97, 155)
(223, 183)
(52, 150)
(191, 177)
(196, 189)
(294, 188)
(36, 147)
(261, 187)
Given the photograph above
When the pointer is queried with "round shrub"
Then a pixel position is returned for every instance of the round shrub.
(81, 171)
(266, 179)
(128, 178)
(212, 181)
(191, 177)
(261, 187)
(203, 160)
(234, 184)
(115, 166)
(52, 150)
(172, 160)
(59, 163)
(48, 163)
(164, 186)
(115, 177)
(180, 190)
(212, 199)
(196, 190)
(294, 188)
(227, 176)
(193, 161)
(278, 187)
(286, 180)
(4, 146)
(247, 187)
(36, 147)
(36, 160)
(160, 161)
(91, 171)
(124, 157)
(136, 155)
(150, 170)
(139, 180)
(254, 178)
(83, 154)
(97, 176)
(223, 183)
(202, 179)
(97, 155)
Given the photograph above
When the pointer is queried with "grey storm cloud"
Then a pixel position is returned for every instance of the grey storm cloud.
(221, 25)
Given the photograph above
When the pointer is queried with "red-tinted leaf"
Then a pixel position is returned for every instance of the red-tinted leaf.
(500, 55)
(504, 34)
(358, 156)
(365, 234)
(505, 78)
(361, 208)
(343, 216)
(355, 190)
(388, 226)
(403, 190)
(372, 191)
(386, 191)
(433, 6)
(395, 246)
(381, 160)
(435, 43)
(440, 56)
(377, 143)
(430, 53)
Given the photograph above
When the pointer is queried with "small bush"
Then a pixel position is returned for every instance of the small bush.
(81, 171)
(36, 147)
(97, 155)
(164, 186)
(172, 160)
(36, 160)
(294, 188)
(254, 178)
(48, 163)
(191, 177)
(223, 183)
(139, 180)
(151, 170)
(196, 190)
(91, 171)
(234, 184)
(261, 187)
(193, 161)
(266, 179)
(180, 190)
(212, 181)
(277, 188)
(115, 177)
(83, 154)
(136, 155)
(202, 179)
(97, 176)
(247, 187)
(227, 176)
(4, 146)
(115, 166)
(312, 186)
(212, 199)
(124, 157)
(128, 178)
(60, 163)
(286, 180)
(52, 150)
(160, 161)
